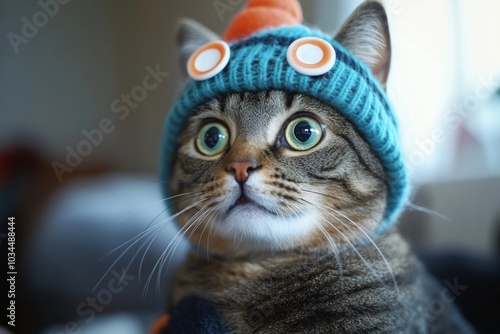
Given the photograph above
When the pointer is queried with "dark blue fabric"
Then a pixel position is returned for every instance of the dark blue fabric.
(195, 315)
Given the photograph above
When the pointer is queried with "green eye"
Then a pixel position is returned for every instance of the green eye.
(303, 133)
(212, 139)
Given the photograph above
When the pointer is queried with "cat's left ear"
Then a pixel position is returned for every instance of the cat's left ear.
(366, 35)
(191, 35)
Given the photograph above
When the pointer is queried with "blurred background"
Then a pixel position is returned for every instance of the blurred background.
(85, 87)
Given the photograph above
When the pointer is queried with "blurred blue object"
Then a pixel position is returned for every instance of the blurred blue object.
(71, 251)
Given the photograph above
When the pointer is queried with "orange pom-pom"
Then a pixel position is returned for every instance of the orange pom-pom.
(262, 14)
(291, 6)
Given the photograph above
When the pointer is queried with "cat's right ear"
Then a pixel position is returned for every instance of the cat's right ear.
(191, 35)
(366, 35)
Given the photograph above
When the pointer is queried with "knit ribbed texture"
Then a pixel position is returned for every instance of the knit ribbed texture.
(259, 63)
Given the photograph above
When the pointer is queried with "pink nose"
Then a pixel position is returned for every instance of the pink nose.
(241, 169)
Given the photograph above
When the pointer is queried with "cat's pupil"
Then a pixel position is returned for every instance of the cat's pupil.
(212, 137)
(302, 131)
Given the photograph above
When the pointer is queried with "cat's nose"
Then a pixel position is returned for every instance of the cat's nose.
(241, 169)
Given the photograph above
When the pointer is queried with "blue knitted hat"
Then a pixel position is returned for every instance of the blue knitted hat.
(259, 62)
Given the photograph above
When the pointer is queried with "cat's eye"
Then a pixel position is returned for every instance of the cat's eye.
(212, 139)
(303, 133)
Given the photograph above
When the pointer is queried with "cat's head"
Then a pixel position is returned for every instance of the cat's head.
(261, 156)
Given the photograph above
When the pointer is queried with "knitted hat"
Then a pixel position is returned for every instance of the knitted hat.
(283, 55)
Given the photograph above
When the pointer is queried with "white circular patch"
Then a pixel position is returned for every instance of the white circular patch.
(207, 60)
(309, 54)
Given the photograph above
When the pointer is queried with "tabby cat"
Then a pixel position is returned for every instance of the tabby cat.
(281, 198)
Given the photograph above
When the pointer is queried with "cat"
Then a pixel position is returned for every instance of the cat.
(282, 199)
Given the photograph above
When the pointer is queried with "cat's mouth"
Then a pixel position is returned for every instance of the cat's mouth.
(244, 202)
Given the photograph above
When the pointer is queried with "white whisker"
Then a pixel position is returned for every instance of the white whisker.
(335, 249)
(372, 270)
(167, 250)
(139, 237)
(430, 212)
(156, 202)
(387, 264)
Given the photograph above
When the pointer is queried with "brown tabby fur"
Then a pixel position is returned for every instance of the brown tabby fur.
(302, 259)
(299, 293)
(343, 174)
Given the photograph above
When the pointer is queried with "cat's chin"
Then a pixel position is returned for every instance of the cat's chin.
(252, 223)
(244, 205)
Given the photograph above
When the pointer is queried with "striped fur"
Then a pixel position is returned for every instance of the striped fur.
(333, 194)
(304, 263)
(298, 293)
(300, 259)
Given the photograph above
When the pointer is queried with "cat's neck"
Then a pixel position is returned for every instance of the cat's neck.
(390, 242)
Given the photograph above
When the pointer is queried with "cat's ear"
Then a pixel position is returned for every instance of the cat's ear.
(366, 35)
(190, 36)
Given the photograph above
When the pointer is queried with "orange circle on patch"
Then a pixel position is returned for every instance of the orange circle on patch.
(208, 60)
(311, 56)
